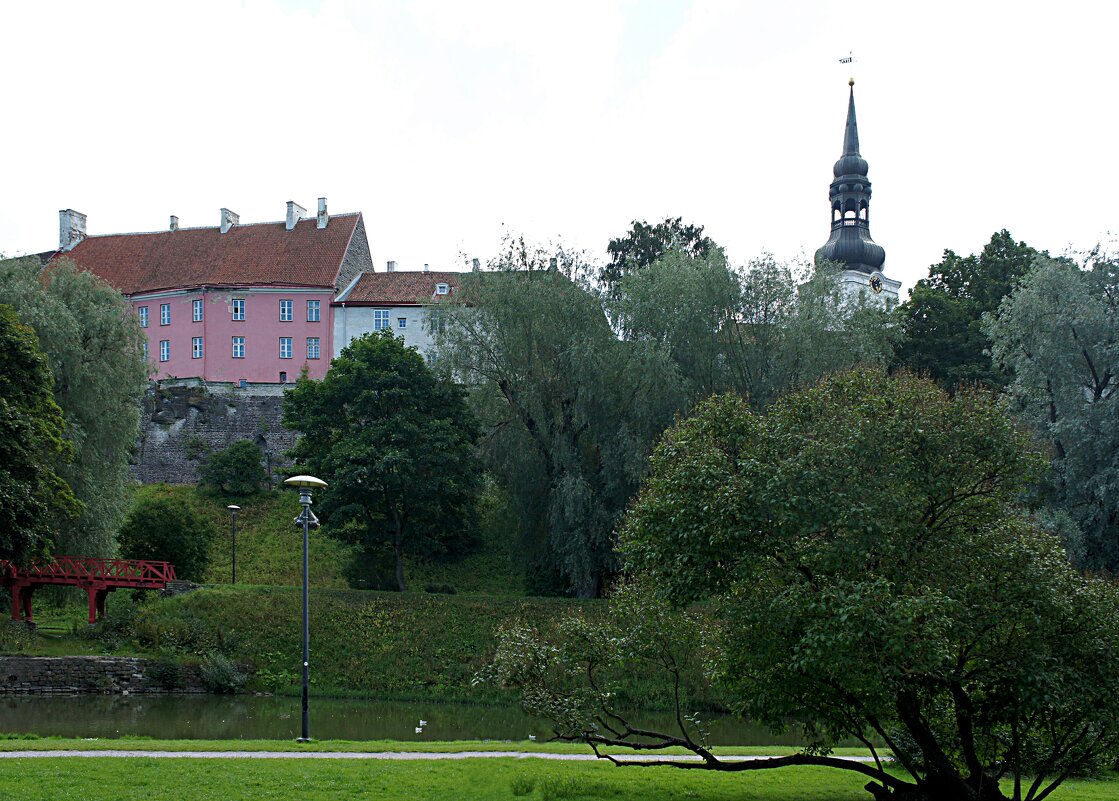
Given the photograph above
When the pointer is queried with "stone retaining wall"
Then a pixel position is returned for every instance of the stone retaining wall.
(110, 675)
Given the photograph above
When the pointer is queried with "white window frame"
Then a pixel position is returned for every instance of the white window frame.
(285, 347)
(238, 347)
(442, 289)
(401, 322)
(313, 348)
(144, 349)
(313, 311)
(287, 311)
(197, 310)
(142, 312)
(165, 314)
(238, 309)
(165, 350)
(196, 347)
(381, 319)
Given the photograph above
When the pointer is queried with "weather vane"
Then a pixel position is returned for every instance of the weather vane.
(849, 59)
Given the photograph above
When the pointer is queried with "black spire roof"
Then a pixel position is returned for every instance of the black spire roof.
(850, 243)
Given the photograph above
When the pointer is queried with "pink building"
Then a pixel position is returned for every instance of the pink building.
(248, 304)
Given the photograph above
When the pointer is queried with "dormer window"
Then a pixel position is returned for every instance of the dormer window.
(442, 289)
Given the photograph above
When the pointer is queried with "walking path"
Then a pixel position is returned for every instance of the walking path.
(399, 755)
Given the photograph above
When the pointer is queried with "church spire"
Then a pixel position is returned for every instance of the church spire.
(850, 243)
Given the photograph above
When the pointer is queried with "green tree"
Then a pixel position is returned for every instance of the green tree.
(237, 469)
(868, 573)
(942, 321)
(1058, 335)
(396, 445)
(35, 502)
(164, 528)
(93, 345)
(569, 411)
(759, 332)
(643, 244)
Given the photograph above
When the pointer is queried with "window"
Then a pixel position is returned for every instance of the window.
(165, 314)
(196, 348)
(165, 350)
(143, 312)
(285, 347)
(198, 311)
(144, 349)
(312, 311)
(312, 347)
(401, 322)
(285, 311)
(238, 347)
(239, 309)
(442, 289)
(283, 377)
(380, 319)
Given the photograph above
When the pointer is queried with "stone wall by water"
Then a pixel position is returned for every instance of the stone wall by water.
(119, 675)
(181, 425)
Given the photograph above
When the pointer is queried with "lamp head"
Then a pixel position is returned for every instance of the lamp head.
(305, 482)
(233, 508)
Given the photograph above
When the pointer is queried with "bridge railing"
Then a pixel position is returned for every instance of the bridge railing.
(90, 567)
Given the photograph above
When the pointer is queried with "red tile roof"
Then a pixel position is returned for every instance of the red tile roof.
(247, 255)
(398, 289)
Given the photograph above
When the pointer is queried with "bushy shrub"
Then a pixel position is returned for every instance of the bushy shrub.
(166, 673)
(220, 674)
(236, 470)
(167, 529)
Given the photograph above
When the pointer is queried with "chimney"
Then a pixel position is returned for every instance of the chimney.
(324, 218)
(228, 220)
(71, 228)
(475, 265)
(391, 267)
(425, 269)
(295, 214)
(174, 223)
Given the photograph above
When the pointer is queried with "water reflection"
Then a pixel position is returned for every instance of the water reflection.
(252, 717)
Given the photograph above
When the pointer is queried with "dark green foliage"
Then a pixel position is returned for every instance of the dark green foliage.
(35, 502)
(870, 571)
(165, 528)
(1058, 335)
(942, 321)
(220, 675)
(395, 445)
(92, 343)
(645, 243)
(236, 470)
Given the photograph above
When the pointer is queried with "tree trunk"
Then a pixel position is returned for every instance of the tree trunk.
(398, 552)
(937, 788)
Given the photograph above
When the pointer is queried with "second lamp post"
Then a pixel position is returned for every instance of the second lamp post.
(234, 510)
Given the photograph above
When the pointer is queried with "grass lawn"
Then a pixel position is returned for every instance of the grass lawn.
(141, 779)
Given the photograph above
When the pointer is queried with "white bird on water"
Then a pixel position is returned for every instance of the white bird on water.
(532, 737)
(419, 730)
(423, 722)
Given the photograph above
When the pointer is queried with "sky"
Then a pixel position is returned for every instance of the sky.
(451, 125)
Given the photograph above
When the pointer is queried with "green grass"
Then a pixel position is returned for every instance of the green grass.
(139, 779)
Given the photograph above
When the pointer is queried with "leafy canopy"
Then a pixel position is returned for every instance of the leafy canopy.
(236, 469)
(395, 445)
(643, 244)
(164, 528)
(35, 502)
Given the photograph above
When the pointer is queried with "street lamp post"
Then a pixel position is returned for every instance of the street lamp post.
(305, 520)
(234, 510)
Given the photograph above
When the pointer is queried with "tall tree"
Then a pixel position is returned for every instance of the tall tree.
(569, 411)
(35, 502)
(643, 244)
(867, 572)
(395, 445)
(942, 321)
(93, 345)
(1058, 335)
(759, 332)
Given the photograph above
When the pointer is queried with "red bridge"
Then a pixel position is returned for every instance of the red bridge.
(98, 577)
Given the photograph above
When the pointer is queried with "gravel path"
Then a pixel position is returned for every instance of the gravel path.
(400, 755)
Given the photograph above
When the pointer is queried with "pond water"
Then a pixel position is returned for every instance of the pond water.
(269, 717)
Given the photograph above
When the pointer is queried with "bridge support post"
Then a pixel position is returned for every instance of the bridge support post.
(25, 602)
(92, 594)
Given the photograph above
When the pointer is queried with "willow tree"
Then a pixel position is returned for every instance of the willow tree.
(569, 411)
(93, 346)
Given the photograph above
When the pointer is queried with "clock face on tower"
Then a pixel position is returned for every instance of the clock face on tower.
(876, 283)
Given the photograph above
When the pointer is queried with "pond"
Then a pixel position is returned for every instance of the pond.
(269, 717)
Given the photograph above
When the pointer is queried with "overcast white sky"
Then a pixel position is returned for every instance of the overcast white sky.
(449, 123)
